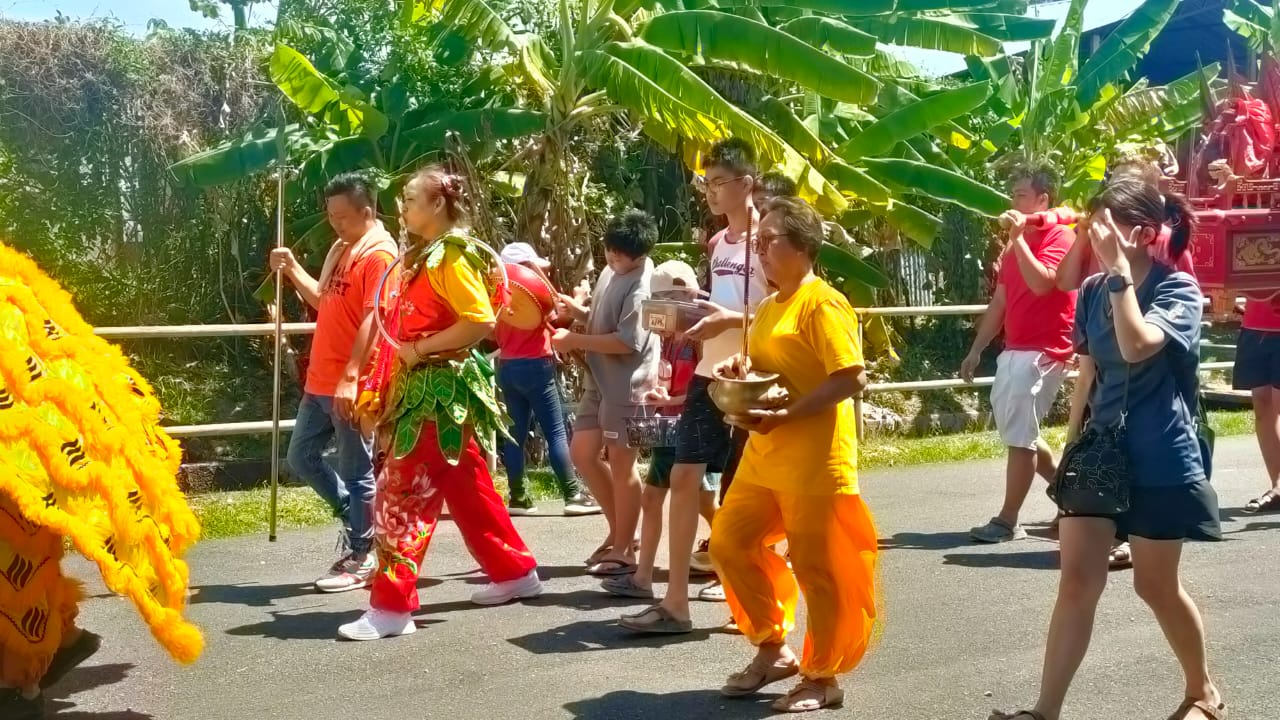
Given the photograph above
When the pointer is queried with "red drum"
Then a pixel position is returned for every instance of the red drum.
(532, 298)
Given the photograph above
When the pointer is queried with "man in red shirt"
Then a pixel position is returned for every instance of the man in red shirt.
(1037, 320)
(343, 296)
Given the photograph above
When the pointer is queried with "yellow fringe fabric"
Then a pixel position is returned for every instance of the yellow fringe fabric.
(37, 604)
(82, 455)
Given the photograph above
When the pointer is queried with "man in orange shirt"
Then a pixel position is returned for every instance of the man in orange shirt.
(343, 296)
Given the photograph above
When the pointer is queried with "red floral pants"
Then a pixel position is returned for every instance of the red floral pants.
(411, 493)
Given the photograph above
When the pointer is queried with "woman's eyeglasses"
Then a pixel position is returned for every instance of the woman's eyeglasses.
(765, 240)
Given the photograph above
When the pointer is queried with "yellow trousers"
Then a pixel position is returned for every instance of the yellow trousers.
(37, 603)
(833, 544)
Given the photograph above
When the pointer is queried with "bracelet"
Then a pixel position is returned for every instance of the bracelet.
(417, 354)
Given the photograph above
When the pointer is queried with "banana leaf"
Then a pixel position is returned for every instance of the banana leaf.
(914, 119)
(767, 50)
(1123, 48)
(827, 33)
(316, 95)
(941, 184)
(945, 33)
(847, 265)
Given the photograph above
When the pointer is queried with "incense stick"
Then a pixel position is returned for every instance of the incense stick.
(746, 298)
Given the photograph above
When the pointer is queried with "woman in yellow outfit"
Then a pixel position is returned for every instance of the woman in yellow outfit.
(81, 458)
(798, 481)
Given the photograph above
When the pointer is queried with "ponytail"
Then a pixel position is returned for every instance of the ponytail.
(1181, 220)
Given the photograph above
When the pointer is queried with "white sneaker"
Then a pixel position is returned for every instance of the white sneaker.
(348, 574)
(376, 624)
(528, 586)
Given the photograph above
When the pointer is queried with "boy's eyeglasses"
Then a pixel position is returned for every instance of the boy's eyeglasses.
(701, 184)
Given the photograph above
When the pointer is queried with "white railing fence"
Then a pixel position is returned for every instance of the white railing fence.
(263, 427)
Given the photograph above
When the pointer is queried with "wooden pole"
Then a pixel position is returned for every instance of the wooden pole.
(278, 338)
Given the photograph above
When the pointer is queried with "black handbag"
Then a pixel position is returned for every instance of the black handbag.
(1093, 476)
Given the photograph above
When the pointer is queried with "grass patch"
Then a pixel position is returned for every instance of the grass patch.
(229, 514)
(881, 451)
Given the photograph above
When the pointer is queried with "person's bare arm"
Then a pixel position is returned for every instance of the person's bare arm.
(988, 327)
(1041, 279)
(345, 395)
(1080, 396)
(1071, 270)
(308, 287)
(458, 336)
(608, 344)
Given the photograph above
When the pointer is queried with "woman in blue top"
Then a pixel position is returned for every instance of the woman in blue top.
(1138, 322)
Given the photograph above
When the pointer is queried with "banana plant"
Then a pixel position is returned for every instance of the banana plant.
(386, 133)
(645, 60)
(1074, 117)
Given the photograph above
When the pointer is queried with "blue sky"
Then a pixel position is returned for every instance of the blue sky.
(134, 14)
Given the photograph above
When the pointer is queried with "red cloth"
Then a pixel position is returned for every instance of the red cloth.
(517, 344)
(1261, 315)
(1039, 322)
(1252, 137)
(411, 492)
(680, 359)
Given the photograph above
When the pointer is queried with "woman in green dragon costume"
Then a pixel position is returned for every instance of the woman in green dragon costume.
(439, 407)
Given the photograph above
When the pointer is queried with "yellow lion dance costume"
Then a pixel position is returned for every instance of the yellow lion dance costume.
(82, 458)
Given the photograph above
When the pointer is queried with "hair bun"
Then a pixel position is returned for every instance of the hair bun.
(451, 185)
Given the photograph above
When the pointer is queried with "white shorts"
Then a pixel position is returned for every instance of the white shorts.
(1027, 383)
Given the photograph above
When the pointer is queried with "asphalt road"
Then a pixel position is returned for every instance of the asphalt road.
(963, 631)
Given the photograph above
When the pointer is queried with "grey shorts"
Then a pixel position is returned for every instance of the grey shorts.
(596, 413)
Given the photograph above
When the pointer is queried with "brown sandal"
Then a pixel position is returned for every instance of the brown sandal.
(756, 676)
(1210, 712)
(1267, 502)
(809, 695)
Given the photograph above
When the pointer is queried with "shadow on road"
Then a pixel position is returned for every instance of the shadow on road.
(255, 595)
(250, 594)
(585, 636)
(925, 541)
(631, 705)
(584, 600)
(1030, 560)
(307, 626)
(87, 678)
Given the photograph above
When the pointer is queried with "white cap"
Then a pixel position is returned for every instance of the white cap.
(674, 275)
(518, 253)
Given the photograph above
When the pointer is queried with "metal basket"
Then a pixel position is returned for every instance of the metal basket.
(651, 431)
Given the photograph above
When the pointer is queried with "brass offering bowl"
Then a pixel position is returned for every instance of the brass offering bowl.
(737, 398)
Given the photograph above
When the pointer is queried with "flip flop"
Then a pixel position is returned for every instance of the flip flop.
(610, 568)
(600, 552)
(1209, 711)
(625, 586)
(997, 715)
(660, 622)
(761, 675)
(1267, 502)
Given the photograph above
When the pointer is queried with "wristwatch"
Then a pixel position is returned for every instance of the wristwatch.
(1118, 283)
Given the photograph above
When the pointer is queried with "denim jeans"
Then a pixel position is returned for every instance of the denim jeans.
(530, 391)
(349, 488)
